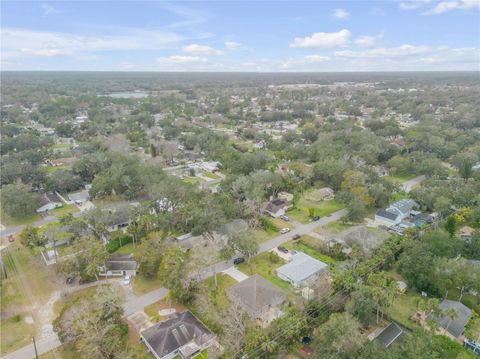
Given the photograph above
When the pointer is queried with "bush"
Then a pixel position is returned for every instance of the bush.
(118, 242)
(16, 318)
(273, 257)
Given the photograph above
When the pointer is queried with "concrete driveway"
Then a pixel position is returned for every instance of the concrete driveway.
(235, 274)
(140, 321)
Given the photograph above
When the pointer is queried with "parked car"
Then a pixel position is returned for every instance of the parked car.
(316, 218)
(127, 279)
(285, 230)
(11, 238)
(297, 236)
(238, 260)
(282, 249)
(69, 280)
(285, 218)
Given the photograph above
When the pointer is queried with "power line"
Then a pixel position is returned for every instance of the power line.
(319, 310)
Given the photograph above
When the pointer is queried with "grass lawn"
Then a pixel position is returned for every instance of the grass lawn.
(126, 249)
(29, 283)
(66, 209)
(152, 309)
(337, 226)
(401, 178)
(192, 180)
(218, 296)
(322, 208)
(16, 333)
(52, 169)
(8, 221)
(403, 308)
(307, 245)
(211, 175)
(142, 285)
(262, 235)
(262, 265)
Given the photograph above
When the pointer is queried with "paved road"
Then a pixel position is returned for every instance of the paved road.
(409, 185)
(300, 229)
(131, 305)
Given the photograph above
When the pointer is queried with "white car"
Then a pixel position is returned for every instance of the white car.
(127, 279)
(285, 230)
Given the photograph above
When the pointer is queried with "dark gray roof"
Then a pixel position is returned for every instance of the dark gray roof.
(122, 262)
(391, 334)
(457, 325)
(170, 335)
(256, 294)
(386, 214)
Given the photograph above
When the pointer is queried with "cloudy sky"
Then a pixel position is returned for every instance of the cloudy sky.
(241, 36)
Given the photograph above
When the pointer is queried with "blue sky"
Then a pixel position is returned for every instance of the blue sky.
(241, 36)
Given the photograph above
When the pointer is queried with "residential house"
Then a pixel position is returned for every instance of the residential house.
(210, 166)
(396, 213)
(452, 327)
(49, 201)
(259, 298)
(278, 207)
(120, 265)
(181, 336)
(466, 233)
(301, 269)
(118, 219)
(285, 196)
(392, 333)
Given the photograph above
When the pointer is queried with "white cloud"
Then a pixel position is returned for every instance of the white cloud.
(232, 45)
(42, 52)
(323, 39)
(365, 41)
(202, 50)
(49, 9)
(432, 7)
(340, 14)
(180, 59)
(15, 40)
(404, 50)
(446, 6)
(414, 4)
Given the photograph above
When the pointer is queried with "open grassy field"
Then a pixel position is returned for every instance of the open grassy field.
(263, 265)
(142, 285)
(309, 245)
(403, 307)
(321, 208)
(337, 226)
(66, 209)
(29, 285)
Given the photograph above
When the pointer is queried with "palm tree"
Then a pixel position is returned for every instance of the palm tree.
(452, 314)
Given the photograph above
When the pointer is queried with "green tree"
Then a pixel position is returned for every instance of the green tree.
(339, 337)
(451, 225)
(31, 237)
(18, 201)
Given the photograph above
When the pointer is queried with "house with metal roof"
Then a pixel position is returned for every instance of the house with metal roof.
(183, 335)
(258, 297)
(395, 213)
(300, 269)
(119, 265)
(454, 326)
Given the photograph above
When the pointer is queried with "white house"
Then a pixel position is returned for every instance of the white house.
(300, 269)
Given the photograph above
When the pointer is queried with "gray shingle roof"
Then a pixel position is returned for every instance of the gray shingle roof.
(457, 325)
(256, 295)
(390, 334)
(170, 335)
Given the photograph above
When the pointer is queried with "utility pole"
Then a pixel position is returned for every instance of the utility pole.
(35, 347)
